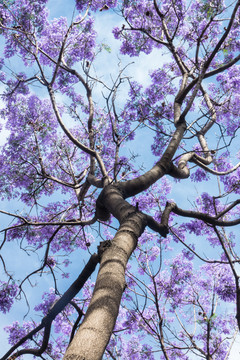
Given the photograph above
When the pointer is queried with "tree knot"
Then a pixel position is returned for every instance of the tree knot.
(104, 245)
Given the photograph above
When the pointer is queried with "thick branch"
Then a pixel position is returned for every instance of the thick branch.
(161, 228)
(213, 220)
(56, 309)
(215, 172)
(162, 167)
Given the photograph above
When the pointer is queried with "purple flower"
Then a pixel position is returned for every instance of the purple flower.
(8, 291)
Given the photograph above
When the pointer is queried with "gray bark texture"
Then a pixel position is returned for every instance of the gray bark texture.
(94, 333)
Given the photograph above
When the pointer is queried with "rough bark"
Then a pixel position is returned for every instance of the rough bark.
(93, 335)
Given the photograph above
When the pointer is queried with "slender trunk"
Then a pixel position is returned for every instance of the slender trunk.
(90, 341)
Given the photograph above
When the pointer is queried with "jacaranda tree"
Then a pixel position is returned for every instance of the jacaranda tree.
(167, 283)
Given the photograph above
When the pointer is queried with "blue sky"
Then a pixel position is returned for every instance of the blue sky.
(139, 70)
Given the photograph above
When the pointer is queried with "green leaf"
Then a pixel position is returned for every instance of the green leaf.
(106, 47)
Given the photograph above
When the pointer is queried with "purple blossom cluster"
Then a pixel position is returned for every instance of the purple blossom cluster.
(151, 106)
(181, 291)
(16, 331)
(80, 43)
(200, 175)
(65, 144)
(62, 324)
(95, 5)
(8, 292)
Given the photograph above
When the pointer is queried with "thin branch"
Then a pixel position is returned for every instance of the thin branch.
(49, 223)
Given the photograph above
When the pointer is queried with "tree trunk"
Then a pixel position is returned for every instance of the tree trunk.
(91, 339)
